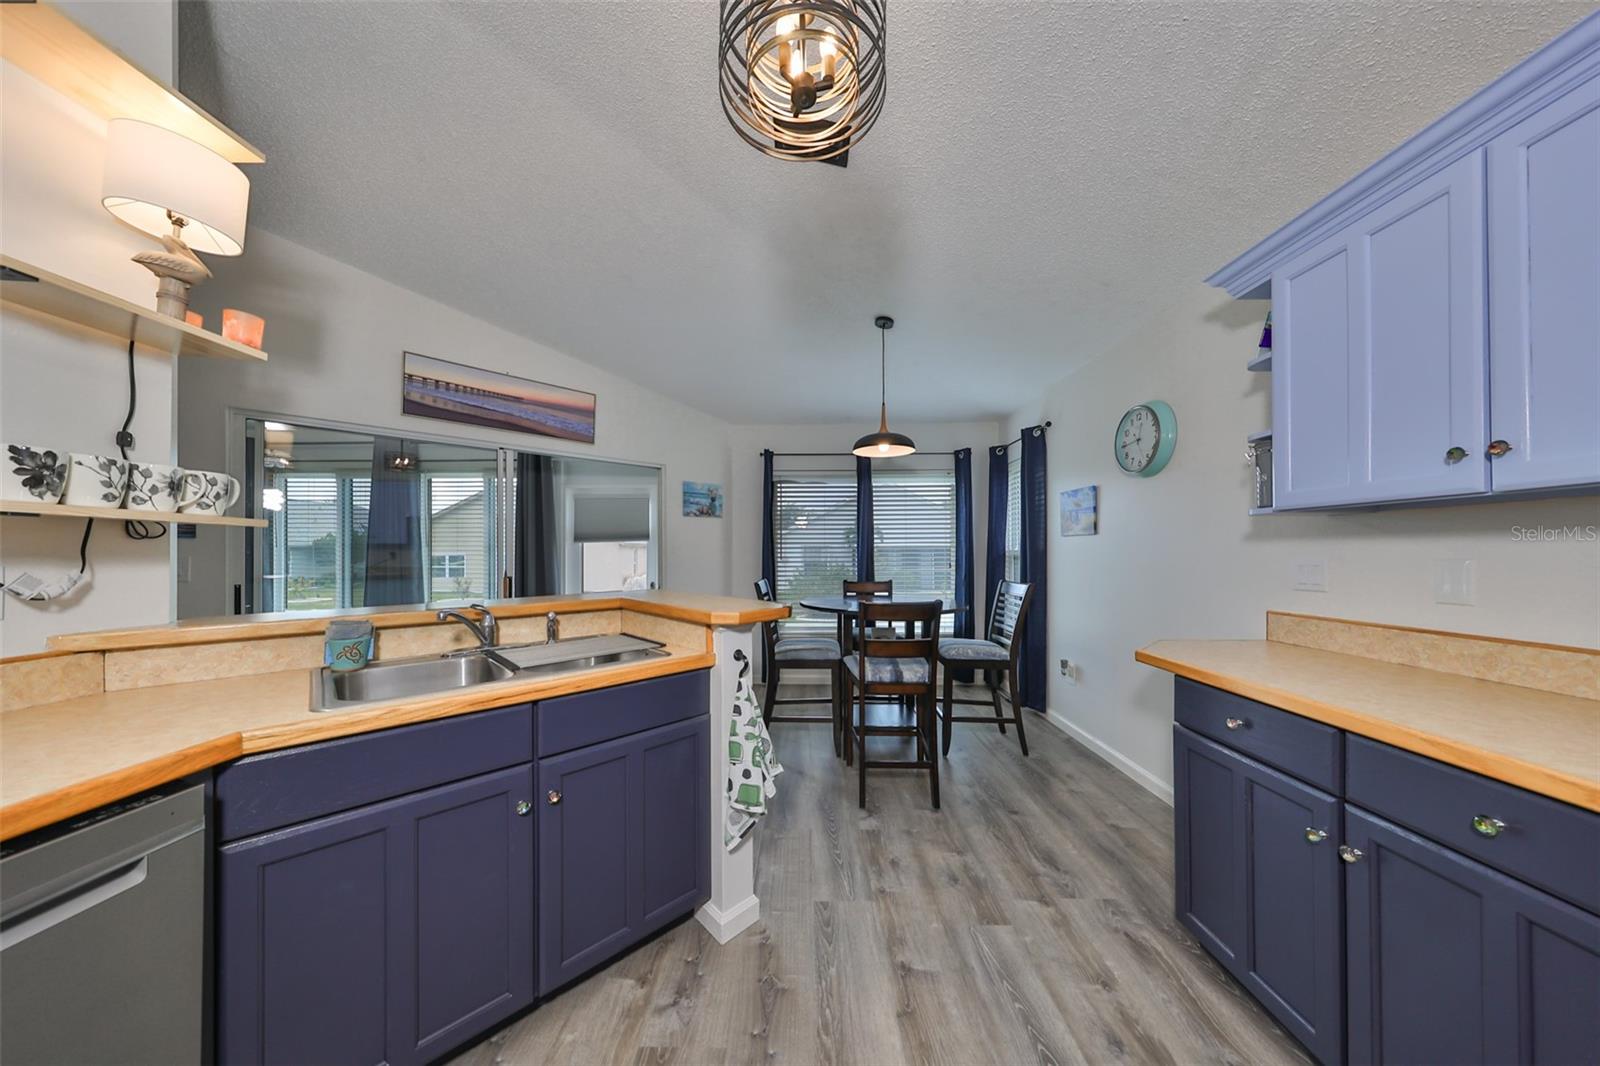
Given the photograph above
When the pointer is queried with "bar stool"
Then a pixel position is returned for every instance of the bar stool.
(900, 667)
(799, 653)
(996, 654)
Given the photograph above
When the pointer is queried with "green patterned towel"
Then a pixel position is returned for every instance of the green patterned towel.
(752, 764)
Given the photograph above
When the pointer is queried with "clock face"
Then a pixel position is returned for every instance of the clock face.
(1145, 438)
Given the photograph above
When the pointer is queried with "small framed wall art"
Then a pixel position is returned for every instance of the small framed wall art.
(702, 499)
(1080, 512)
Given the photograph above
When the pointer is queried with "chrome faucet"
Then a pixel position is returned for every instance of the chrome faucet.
(487, 630)
(551, 628)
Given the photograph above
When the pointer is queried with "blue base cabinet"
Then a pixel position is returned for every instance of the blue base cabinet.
(385, 934)
(624, 844)
(1258, 883)
(1460, 926)
(1453, 962)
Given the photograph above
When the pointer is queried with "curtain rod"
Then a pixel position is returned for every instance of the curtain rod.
(842, 455)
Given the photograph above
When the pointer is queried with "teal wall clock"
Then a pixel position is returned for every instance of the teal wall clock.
(1146, 438)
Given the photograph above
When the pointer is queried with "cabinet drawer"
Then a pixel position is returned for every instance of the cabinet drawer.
(280, 788)
(1544, 842)
(584, 718)
(1309, 750)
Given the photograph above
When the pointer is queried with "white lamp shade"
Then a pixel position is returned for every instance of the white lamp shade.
(150, 171)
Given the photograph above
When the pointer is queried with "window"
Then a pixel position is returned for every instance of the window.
(449, 564)
(914, 533)
(814, 539)
(1014, 514)
(614, 565)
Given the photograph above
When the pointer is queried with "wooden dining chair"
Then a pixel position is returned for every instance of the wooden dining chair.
(996, 655)
(800, 653)
(896, 666)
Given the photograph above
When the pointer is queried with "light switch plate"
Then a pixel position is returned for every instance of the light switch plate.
(1454, 582)
(1311, 576)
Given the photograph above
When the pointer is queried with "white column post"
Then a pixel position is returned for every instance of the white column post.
(733, 906)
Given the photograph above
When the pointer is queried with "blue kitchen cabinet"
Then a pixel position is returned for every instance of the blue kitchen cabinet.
(624, 843)
(1544, 285)
(1379, 353)
(1451, 961)
(384, 934)
(1258, 883)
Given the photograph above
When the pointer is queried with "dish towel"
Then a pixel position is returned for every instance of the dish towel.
(751, 762)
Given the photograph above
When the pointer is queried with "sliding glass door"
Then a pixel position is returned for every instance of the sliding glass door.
(364, 519)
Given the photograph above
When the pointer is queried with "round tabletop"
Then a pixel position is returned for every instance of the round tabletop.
(852, 604)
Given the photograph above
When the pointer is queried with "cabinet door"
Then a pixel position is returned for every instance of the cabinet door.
(1258, 882)
(1383, 365)
(1450, 961)
(304, 925)
(468, 898)
(384, 934)
(1316, 392)
(624, 844)
(675, 821)
(588, 885)
(1544, 286)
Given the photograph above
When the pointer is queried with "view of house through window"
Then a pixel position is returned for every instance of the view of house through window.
(360, 519)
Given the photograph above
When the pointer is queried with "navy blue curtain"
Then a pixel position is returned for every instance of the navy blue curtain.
(394, 534)
(994, 566)
(769, 504)
(1032, 681)
(864, 519)
(964, 589)
(538, 548)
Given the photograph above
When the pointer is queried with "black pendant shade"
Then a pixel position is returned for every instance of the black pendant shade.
(883, 444)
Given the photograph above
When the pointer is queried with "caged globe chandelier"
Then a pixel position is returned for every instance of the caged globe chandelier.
(802, 79)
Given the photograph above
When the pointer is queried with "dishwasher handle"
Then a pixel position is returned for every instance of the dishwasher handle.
(73, 901)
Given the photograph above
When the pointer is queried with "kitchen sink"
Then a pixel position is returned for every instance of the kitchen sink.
(336, 690)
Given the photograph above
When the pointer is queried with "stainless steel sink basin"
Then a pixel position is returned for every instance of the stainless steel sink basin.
(335, 690)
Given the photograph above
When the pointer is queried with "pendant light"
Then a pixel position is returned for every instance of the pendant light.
(883, 444)
(802, 79)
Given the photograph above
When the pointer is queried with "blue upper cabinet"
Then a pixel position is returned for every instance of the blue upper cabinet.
(1437, 319)
(1379, 353)
(1544, 263)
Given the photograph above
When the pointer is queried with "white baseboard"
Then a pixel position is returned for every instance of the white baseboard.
(1150, 782)
(725, 925)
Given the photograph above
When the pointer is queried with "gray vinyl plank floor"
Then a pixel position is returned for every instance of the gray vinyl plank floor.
(1028, 921)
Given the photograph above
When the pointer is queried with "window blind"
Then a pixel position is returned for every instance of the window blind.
(312, 545)
(610, 518)
(814, 539)
(914, 533)
(1014, 514)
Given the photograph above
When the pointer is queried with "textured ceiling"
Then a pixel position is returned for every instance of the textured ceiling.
(1043, 174)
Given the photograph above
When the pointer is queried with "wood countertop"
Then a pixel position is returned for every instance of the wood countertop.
(1541, 741)
(64, 758)
(680, 606)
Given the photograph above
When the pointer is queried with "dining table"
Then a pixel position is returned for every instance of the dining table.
(846, 608)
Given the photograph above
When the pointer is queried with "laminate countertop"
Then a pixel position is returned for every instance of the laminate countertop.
(1541, 741)
(64, 758)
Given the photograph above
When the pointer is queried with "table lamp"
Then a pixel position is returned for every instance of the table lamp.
(181, 193)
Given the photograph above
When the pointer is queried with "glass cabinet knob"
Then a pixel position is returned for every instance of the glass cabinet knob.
(523, 807)
(552, 797)
(1497, 448)
(1315, 836)
(1455, 455)
(1233, 723)
(1349, 854)
(1487, 826)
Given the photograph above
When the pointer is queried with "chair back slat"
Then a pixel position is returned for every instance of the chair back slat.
(769, 630)
(924, 617)
(764, 590)
(868, 589)
(1010, 612)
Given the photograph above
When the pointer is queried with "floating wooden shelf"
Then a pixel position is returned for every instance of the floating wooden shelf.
(44, 41)
(1260, 362)
(66, 299)
(125, 514)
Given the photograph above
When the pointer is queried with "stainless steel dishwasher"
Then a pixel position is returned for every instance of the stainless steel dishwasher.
(102, 936)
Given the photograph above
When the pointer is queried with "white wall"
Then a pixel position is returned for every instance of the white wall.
(743, 509)
(65, 388)
(334, 338)
(1177, 556)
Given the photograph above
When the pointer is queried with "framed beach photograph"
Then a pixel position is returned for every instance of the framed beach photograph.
(438, 388)
(702, 499)
(1079, 511)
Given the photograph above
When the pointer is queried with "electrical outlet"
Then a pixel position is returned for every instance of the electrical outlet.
(1453, 582)
(1069, 670)
(1311, 576)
